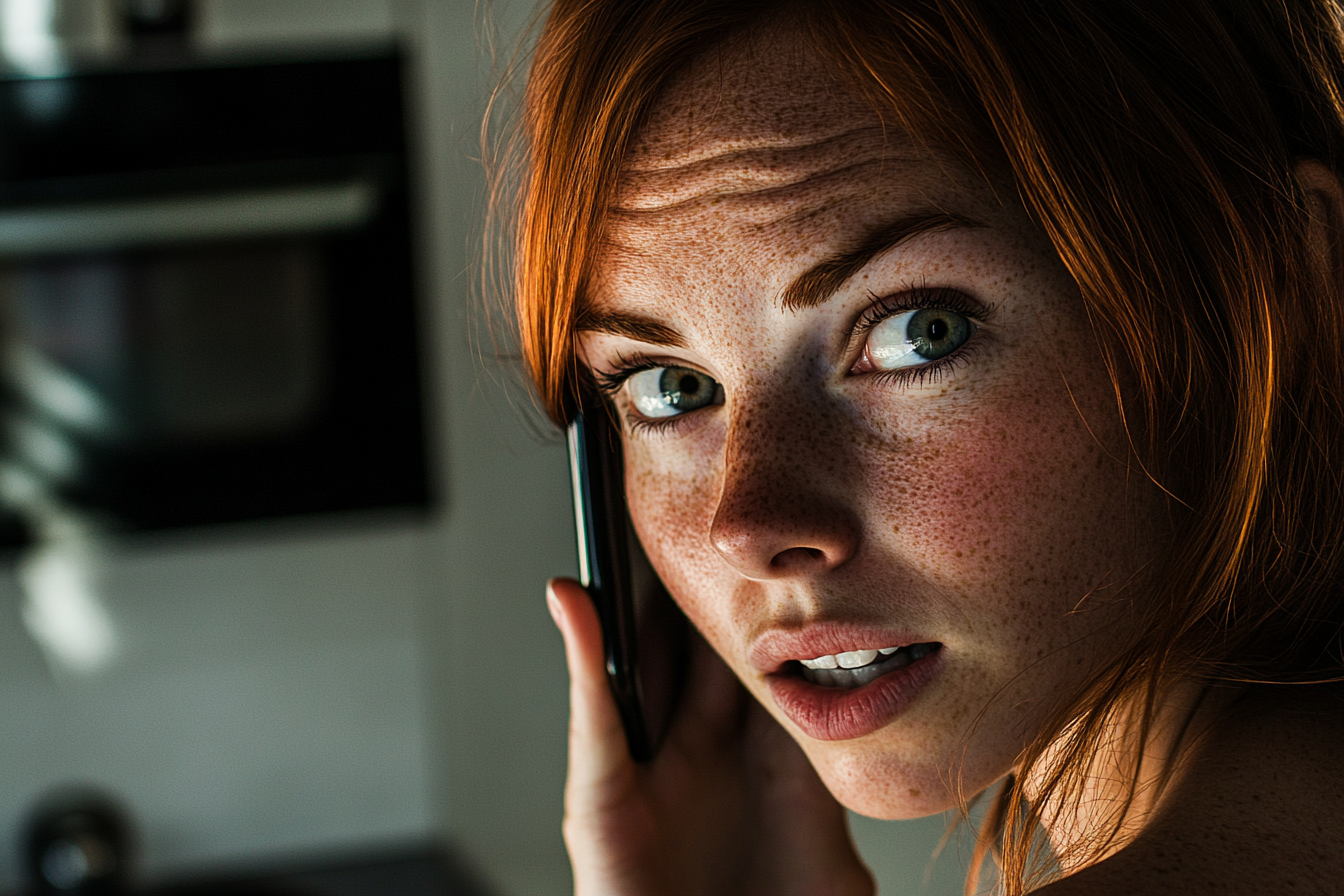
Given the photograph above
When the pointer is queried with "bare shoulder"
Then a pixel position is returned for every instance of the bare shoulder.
(1257, 812)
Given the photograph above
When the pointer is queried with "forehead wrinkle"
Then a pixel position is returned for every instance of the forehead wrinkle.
(639, 231)
(753, 202)
(731, 149)
(743, 175)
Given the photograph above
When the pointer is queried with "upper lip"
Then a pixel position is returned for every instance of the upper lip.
(772, 649)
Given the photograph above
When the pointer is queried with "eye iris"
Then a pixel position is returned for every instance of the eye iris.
(936, 332)
(684, 389)
(669, 391)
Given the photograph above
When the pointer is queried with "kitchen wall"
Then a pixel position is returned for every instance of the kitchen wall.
(269, 695)
(306, 687)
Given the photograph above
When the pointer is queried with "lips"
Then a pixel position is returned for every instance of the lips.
(862, 700)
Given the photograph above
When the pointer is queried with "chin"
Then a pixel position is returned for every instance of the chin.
(883, 784)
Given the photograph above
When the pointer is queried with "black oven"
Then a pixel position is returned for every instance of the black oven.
(207, 294)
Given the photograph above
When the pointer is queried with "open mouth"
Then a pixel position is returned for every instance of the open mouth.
(850, 693)
(856, 668)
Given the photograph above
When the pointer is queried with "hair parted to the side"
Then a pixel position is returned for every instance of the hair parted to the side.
(1155, 145)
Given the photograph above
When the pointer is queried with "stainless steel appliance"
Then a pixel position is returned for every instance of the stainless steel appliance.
(207, 302)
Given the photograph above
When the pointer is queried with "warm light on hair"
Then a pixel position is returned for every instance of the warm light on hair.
(1155, 145)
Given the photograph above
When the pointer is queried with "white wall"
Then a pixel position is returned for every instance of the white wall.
(267, 701)
(495, 663)
(307, 687)
(269, 698)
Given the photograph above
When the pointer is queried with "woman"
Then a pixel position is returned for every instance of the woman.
(979, 369)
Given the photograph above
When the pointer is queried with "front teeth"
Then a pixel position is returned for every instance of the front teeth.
(850, 659)
(856, 668)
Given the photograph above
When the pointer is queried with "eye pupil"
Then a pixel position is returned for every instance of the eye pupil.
(688, 385)
(938, 329)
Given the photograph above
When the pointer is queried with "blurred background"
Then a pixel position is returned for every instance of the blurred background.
(274, 521)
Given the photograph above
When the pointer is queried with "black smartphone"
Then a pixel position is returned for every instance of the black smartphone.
(644, 633)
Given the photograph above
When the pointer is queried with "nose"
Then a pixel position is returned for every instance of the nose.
(785, 509)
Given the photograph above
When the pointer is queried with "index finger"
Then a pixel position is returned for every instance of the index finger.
(597, 746)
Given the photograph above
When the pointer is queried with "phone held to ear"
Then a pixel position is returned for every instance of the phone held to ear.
(644, 633)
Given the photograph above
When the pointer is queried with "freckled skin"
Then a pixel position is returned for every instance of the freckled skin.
(989, 506)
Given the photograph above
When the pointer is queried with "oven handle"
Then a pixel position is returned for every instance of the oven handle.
(90, 227)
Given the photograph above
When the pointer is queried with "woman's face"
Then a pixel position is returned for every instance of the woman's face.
(863, 410)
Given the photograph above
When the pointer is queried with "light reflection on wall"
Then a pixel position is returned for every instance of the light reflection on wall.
(63, 609)
(59, 573)
(28, 38)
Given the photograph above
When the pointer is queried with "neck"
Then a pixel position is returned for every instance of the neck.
(1131, 776)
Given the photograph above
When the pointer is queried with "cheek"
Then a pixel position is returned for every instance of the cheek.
(1012, 510)
(670, 493)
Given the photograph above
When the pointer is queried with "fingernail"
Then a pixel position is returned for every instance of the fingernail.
(553, 604)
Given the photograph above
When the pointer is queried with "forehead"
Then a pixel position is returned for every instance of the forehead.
(758, 121)
(766, 92)
(755, 155)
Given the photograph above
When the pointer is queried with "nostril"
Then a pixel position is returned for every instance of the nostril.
(797, 557)
(768, 529)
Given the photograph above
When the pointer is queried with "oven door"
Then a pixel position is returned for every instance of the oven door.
(211, 339)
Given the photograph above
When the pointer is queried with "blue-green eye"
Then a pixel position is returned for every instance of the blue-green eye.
(916, 337)
(668, 391)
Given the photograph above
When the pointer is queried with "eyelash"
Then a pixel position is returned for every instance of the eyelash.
(645, 426)
(626, 366)
(915, 298)
(609, 384)
(911, 298)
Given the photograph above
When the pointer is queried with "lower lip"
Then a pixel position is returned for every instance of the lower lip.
(826, 713)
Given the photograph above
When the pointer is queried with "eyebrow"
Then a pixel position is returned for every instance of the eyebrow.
(811, 288)
(821, 281)
(632, 326)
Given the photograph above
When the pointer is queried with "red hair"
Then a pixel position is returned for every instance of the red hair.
(1155, 145)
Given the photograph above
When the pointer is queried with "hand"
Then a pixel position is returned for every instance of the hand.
(728, 805)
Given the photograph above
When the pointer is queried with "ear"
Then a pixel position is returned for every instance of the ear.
(1325, 204)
